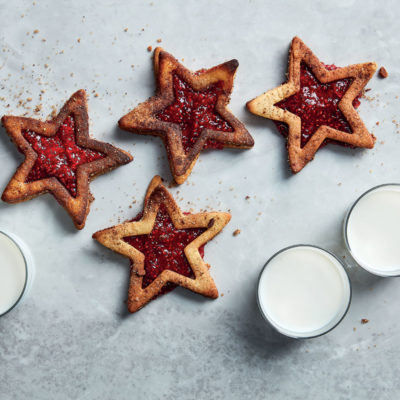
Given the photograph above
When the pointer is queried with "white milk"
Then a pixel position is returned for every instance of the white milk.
(13, 273)
(373, 230)
(304, 291)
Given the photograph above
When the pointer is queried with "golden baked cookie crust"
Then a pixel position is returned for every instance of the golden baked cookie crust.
(156, 195)
(143, 119)
(18, 189)
(265, 105)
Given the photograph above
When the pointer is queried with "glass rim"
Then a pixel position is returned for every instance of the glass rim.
(345, 236)
(5, 233)
(272, 324)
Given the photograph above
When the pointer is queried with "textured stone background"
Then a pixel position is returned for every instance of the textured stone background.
(72, 338)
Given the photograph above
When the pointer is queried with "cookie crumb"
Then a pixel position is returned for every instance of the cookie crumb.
(172, 184)
(247, 197)
(383, 73)
(159, 40)
(126, 30)
(36, 31)
(364, 321)
(236, 232)
(53, 111)
(377, 123)
(222, 295)
(149, 48)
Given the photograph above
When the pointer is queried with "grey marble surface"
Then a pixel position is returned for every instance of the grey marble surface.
(72, 337)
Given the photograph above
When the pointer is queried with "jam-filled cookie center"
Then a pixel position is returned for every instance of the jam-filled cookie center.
(163, 249)
(59, 156)
(195, 111)
(317, 104)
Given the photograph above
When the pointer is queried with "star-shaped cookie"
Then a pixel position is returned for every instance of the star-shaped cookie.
(165, 246)
(60, 158)
(189, 112)
(325, 101)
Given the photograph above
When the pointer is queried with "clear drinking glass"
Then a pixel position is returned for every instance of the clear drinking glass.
(299, 254)
(9, 239)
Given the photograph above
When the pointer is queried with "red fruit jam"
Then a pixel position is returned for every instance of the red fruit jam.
(194, 111)
(317, 104)
(59, 156)
(163, 248)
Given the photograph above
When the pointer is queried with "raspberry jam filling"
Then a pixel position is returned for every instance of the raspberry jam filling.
(59, 156)
(316, 104)
(163, 249)
(194, 111)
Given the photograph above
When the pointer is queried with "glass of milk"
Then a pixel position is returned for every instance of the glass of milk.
(16, 271)
(372, 230)
(303, 291)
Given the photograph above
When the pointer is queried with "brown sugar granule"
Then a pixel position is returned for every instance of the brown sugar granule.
(383, 73)
(149, 48)
(29, 99)
(159, 40)
(36, 31)
(38, 108)
(236, 232)
(364, 321)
